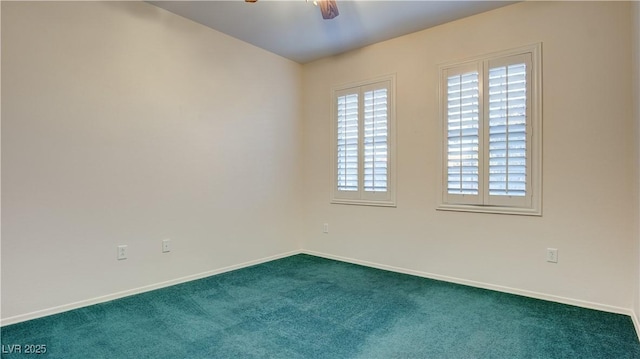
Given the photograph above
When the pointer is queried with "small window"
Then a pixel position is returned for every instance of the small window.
(492, 133)
(363, 143)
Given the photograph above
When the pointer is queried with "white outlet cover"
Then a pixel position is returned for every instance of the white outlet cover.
(122, 252)
(166, 246)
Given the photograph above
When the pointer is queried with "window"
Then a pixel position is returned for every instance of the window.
(363, 143)
(492, 133)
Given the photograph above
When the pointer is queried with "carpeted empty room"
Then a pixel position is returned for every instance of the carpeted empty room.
(309, 307)
(329, 179)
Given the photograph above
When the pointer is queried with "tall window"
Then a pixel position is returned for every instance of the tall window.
(363, 143)
(492, 133)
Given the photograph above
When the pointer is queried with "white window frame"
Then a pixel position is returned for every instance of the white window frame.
(360, 196)
(531, 203)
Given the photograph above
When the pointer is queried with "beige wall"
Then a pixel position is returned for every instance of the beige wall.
(588, 170)
(125, 124)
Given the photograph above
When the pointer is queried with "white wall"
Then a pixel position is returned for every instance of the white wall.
(125, 124)
(588, 186)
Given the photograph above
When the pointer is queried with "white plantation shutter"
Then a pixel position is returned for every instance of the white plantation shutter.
(490, 108)
(463, 134)
(347, 144)
(375, 140)
(508, 120)
(363, 134)
(508, 130)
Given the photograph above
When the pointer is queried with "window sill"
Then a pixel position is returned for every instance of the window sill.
(490, 209)
(360, 202)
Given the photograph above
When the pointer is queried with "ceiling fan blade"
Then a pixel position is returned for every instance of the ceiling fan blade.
(329, 9)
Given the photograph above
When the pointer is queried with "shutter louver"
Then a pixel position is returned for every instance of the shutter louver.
(508, 130)
(347, 144)
(463, 134)
(375, 140)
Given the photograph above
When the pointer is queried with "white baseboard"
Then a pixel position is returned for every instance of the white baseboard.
(498, 288)
(126, 293)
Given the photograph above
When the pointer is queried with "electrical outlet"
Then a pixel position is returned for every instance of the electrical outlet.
(552, 255)
(122, 252)
(166, 245)
(325, 228)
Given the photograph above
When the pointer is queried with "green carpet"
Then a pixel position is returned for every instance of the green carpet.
(308, 307)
